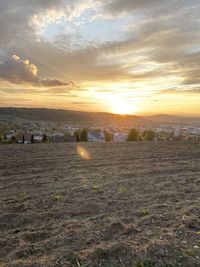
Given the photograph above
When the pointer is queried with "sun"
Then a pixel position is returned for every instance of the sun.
(122, 107)
(118, 103)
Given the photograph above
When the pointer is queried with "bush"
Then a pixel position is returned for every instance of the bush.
(81, 135)
(13, 140)
(1, 138)
(133, 135)
(108, 136)
(149, 135)
(84, 135)
(77, 135)
(45, 139)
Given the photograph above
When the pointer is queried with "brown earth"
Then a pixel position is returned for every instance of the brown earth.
(131, 205)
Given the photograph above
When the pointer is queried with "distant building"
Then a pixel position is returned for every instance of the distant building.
(120, 137)
(9, 136)
(96, 137)
(25, 138)
(38, 138)
(165, 128)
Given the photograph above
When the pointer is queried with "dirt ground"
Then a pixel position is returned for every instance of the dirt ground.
(127, 205)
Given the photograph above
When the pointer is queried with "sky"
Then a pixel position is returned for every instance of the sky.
(125, 57)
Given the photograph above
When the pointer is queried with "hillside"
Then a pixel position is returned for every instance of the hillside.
(71, 116)
(174, 119)
(95, 118)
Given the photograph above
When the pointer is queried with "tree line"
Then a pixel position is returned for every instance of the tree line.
(135, 135)
(81, 135)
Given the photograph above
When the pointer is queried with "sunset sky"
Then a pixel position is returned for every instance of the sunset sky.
(119, 56)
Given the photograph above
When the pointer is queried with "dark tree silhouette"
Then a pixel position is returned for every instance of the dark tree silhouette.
(77, 135)
(13, 140)
(150, 135)
(108, 136)
(84, 135)
(45, 139)
(133, 135)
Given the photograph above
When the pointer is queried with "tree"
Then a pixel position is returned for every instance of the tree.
(108, 136)
(32, 138)
(133, 135)
(77, 135)
(13, 140)
(1, 137)
(45, 138)
(84, 135)
(149, 135)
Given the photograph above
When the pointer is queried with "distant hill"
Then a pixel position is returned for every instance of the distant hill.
(95, 118)
(174, 119)
(71, 116)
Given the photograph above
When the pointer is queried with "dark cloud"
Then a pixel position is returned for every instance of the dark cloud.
(16, 70)
(55, 82)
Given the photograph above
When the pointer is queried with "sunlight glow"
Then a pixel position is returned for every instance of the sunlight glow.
(123, 108)
(118, 98)
(121, 105)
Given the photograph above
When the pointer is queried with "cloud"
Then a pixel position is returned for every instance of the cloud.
(16, 70)
(147, 7)
(18, 91)
(162, 38)
(193, 91)
(50, 91)
(55, 82)
(128, 6)
(21, 19)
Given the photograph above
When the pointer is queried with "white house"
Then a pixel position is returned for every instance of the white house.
(96, 137)
(120, 137)
(38, 138)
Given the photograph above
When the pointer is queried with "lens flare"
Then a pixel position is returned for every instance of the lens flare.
(83, 153)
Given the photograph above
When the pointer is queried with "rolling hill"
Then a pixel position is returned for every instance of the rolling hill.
(71, 116)
(95, 118)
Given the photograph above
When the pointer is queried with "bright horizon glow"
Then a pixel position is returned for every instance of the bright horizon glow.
(121, 107)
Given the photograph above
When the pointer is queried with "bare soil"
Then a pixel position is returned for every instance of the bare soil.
(131, 205)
